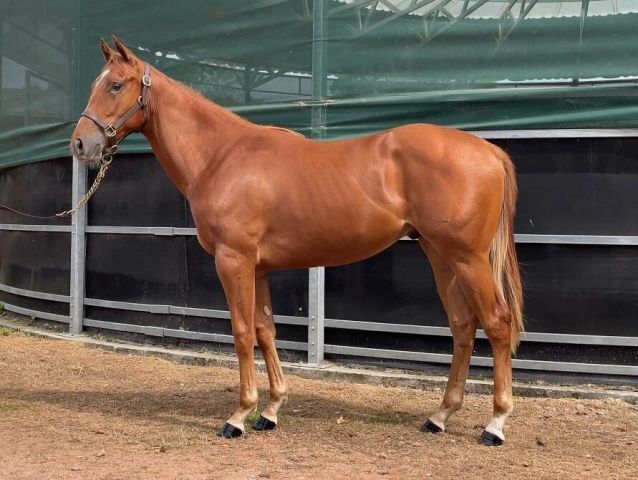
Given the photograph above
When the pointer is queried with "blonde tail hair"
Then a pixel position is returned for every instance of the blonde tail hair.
(503, 252)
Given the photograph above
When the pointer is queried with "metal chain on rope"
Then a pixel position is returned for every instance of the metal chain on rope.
(107, 158)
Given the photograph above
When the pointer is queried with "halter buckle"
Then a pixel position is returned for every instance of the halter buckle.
(110, 131)
(146, 80)
(111, 150)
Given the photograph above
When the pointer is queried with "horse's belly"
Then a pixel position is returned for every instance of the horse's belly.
(330, 243)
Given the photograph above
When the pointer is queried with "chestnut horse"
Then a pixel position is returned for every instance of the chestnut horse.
(264, 198)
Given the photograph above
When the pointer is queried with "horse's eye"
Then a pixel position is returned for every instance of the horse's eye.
(116, 87)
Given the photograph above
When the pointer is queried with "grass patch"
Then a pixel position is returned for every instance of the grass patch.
(252, 417)
(8, 406)
(5, 332)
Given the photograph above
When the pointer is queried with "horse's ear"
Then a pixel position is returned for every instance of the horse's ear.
(106, 50)
(123, 50)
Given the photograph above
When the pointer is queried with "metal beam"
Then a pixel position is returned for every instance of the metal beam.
(174, 333)
(18, 227)
(29, 312)
(540, 337)
(546, 366)
(78, 248)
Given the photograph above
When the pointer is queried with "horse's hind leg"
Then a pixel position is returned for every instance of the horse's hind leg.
(474, 275)
(463, 325)
(265, 329)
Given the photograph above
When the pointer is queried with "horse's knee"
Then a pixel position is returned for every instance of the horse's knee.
(244, 341)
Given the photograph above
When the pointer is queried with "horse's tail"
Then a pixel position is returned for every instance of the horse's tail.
(503, 252)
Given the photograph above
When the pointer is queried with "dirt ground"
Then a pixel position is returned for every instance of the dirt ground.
(68, 411)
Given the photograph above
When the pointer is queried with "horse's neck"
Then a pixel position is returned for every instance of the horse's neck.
(187, 133)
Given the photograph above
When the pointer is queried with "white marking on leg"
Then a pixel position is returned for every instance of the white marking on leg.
(436, 420)
(266, 310)
(496, 425)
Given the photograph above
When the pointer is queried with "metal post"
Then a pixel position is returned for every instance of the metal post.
(316, 315)
(78, 248)
(316, 277)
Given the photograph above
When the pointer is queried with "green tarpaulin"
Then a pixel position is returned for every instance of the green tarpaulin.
(472, 64)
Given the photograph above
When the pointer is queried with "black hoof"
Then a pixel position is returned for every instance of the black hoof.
(263, 424)
(229, 431)
(429, 427)
(490, 439)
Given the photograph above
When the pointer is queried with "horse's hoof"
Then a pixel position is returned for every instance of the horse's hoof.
(489, 439)
(263, 424)
(229, 431)
(430, 427)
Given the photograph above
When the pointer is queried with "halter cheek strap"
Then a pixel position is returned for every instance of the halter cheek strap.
(110, 129)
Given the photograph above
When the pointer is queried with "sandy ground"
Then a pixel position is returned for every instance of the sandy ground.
(67, 411)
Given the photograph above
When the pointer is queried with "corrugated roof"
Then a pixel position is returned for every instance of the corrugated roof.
(491, 9)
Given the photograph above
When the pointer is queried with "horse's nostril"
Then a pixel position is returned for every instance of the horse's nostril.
(79, 146)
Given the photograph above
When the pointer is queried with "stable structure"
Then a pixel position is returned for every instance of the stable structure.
(553, 82)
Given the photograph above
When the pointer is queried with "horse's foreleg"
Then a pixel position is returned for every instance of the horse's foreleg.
(475, 277)
(265, 329)
(237, 274)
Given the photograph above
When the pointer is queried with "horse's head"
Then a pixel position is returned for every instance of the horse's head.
(117, 105)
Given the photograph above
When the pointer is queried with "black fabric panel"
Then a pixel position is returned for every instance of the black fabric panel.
(295, 333)
(576, 186)
(204, 288)
(38, 304)
(208, 325)
(580, 289)
(387, 340)
(556, 352)
(136, 268)
(395, 286)
(37, 261)
(136, 192)
(289, 292)
(42, 188)
(135, 318)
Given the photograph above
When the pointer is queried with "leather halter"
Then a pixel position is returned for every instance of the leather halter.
(110, 129)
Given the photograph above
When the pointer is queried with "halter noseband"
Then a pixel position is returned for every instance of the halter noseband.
(110, 129)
